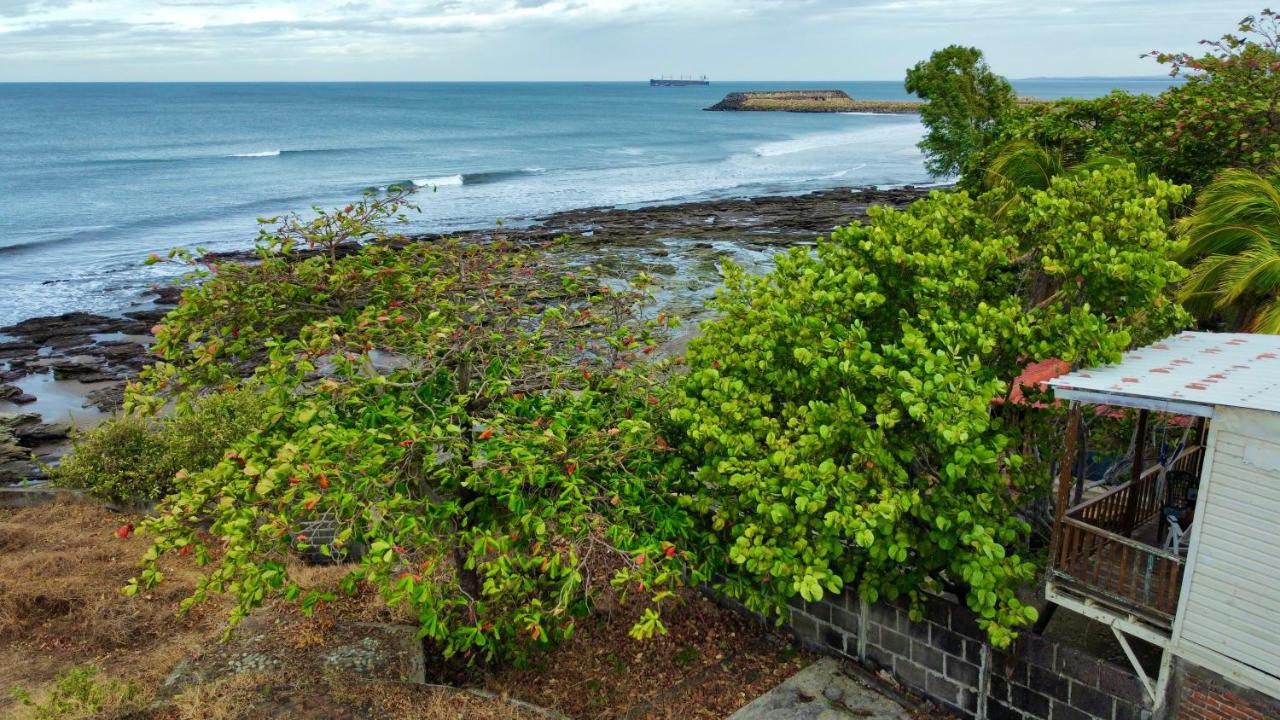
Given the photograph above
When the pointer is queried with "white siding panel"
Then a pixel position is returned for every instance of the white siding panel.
(1245, 482)
(1231, 603)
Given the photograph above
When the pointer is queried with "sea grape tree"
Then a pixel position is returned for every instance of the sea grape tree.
(843, 415)
(468, 424)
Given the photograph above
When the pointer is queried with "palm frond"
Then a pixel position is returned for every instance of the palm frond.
(1268, 318)
(1254, 272)
(1234, 234)
(1023, 165)
(1236, 210)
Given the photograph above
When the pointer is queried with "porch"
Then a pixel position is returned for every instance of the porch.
(1108, 550)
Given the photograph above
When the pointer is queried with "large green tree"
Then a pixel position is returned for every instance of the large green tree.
(838, 413)
(965, 105)
(468, 424)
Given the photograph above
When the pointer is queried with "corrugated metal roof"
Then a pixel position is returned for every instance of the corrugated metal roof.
(1187, 369)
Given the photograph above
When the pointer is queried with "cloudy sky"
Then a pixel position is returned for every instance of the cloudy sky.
(585, 39)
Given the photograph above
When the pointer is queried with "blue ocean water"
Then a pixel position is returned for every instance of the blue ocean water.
(93, 177)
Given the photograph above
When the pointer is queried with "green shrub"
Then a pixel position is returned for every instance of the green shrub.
(838, 413)
(124, 458)
(134, 458)
(477, 420)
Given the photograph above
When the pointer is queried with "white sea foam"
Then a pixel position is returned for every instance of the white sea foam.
(264, 153)
(439, 181)
(880, 136)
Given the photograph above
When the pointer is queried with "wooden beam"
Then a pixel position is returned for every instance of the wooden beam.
(1064, 480)
(1139, 459)
(1082, 464)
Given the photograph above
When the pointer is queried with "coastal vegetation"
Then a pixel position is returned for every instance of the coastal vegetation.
(132, 458)
(1220, 121)
(502, 447)
(965, 106)
(1233, 241)
(472, 427)
(837, 414)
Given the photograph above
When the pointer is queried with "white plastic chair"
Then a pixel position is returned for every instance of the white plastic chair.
(1176, 537)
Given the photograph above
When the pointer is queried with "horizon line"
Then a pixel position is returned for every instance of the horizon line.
(1162, 76)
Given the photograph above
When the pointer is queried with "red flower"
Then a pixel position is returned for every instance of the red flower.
(488, 433)
(324, 482)
(182, 552)
(671, 551)
(573, 467)
(124, 531)
(640, 559)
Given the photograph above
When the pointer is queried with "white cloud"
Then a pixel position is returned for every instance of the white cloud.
(499, 39)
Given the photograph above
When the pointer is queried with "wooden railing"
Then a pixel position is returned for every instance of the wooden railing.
(1132, 504)
(1094, 554)
(1136, 576)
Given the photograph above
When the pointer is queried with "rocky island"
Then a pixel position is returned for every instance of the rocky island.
(810, 101)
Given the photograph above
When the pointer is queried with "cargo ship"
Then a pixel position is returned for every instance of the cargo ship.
(678, 82)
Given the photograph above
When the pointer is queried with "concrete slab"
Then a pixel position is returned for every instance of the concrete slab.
(823, 691)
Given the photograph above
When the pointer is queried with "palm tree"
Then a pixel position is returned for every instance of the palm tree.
(1234, 235)
(1025, 165)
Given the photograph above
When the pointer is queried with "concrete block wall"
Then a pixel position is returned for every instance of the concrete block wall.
(944, 657)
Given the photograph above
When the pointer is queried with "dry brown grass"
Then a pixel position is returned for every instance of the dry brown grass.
(61, 570)
(62, 566)
(249, 697)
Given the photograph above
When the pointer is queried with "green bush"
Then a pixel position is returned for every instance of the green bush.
(838, 413)
(124, 458)
(478, 420)
(134, 458)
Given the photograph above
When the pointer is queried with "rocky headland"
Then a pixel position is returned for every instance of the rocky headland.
(69, 370)
(810, 101)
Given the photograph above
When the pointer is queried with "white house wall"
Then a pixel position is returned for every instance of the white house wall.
(1229, 619)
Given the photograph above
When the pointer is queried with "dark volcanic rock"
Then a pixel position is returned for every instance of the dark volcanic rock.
(14, 394)
(41, 433)
(108, 398)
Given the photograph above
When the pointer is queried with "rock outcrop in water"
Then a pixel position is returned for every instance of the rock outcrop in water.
(809, 101)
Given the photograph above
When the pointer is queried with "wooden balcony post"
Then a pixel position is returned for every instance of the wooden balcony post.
(1139, 459)
(1064, 481)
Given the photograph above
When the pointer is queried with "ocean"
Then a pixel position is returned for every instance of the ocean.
(94, 177)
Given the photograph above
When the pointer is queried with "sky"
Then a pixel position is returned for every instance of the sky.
(254, 40)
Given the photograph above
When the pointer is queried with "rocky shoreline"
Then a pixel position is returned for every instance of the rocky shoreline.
(70, 370)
